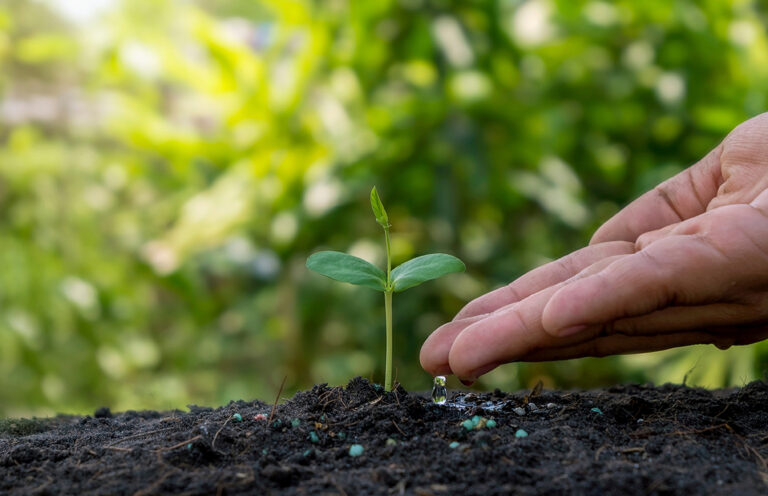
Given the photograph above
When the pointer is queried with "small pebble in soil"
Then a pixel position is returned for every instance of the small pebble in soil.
(521, 433)
(596, 410)
(519, 411)
(439, 391)
(391, 442)
(639, 421)
(295, 422)
(341, 436)
(551, 405)
(356, 450)
(237, 417)
(307, 453)
(532, 406)
(454, 445)
(260, 416)
(313, 437)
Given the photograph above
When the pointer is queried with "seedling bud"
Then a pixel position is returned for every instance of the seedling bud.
(378, 209)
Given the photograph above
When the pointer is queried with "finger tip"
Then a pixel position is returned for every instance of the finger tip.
(428, 359)
(470, 357)
(433, 365)
(433, 355)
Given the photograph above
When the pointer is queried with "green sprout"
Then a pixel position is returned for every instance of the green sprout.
(346, 268)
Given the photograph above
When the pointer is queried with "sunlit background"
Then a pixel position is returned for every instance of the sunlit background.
(167, 166)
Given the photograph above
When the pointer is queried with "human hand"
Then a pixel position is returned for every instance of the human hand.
(686, 263)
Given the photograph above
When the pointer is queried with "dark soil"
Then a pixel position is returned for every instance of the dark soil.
(623, 440)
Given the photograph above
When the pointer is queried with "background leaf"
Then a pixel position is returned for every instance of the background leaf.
(424, 268)
(346, 268)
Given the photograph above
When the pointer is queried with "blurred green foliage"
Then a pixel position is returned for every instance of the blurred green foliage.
(167, 166)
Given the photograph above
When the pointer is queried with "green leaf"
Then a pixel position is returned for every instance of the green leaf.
(425, 268)
(346, 268)
(378, 209)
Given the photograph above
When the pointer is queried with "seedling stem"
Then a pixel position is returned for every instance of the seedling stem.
(388, 369)
(388, 310)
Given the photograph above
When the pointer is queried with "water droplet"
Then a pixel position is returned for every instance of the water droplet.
(439, 391)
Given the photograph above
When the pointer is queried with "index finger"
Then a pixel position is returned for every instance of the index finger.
(543, 277)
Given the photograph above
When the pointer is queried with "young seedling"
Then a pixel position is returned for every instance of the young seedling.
(346, 268)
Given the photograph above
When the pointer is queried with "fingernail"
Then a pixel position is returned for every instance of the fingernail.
(571, 330)
(466, 382)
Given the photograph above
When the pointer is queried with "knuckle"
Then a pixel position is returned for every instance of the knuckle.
(513, 291)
